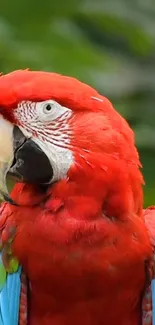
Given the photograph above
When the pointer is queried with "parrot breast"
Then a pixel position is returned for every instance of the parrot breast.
(80, 271)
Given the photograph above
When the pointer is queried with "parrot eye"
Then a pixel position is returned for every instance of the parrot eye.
(51, 110)
(47, 108)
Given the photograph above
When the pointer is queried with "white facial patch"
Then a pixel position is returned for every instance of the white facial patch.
(61, 158)
(46, 123)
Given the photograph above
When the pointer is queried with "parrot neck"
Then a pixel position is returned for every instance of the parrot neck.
(87, 198)
(97, 192)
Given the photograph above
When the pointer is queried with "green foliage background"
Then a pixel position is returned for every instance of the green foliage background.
(109, 44)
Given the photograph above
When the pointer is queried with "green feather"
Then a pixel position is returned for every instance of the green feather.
(2, 275)
(13, 265)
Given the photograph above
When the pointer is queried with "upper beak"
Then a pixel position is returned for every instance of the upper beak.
(6, 156)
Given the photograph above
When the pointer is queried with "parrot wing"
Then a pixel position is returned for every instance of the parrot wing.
(13, 283)
(13, 297)
(10, 288)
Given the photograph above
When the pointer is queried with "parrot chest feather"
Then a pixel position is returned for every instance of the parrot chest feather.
(81, 268)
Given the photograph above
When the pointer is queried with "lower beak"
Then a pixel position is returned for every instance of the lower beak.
(21, 158)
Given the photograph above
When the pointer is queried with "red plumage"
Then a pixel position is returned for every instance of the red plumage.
(83, 244)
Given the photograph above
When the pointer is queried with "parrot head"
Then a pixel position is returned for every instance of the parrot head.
(55, 128)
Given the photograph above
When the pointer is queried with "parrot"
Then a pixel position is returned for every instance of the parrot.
(74, 238)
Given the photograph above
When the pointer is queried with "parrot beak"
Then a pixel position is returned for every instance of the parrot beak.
(21, 158)
(6, 156)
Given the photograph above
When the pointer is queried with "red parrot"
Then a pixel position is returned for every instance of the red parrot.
(74, 220)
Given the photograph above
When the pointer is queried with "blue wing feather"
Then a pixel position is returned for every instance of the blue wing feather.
(10, 299)
(153, 301)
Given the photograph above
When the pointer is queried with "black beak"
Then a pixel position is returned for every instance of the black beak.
(30, 164)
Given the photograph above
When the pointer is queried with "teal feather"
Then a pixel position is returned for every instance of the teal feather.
(10, 287)
(153, 301)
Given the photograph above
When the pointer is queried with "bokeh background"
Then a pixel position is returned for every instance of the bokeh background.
(109, 44)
